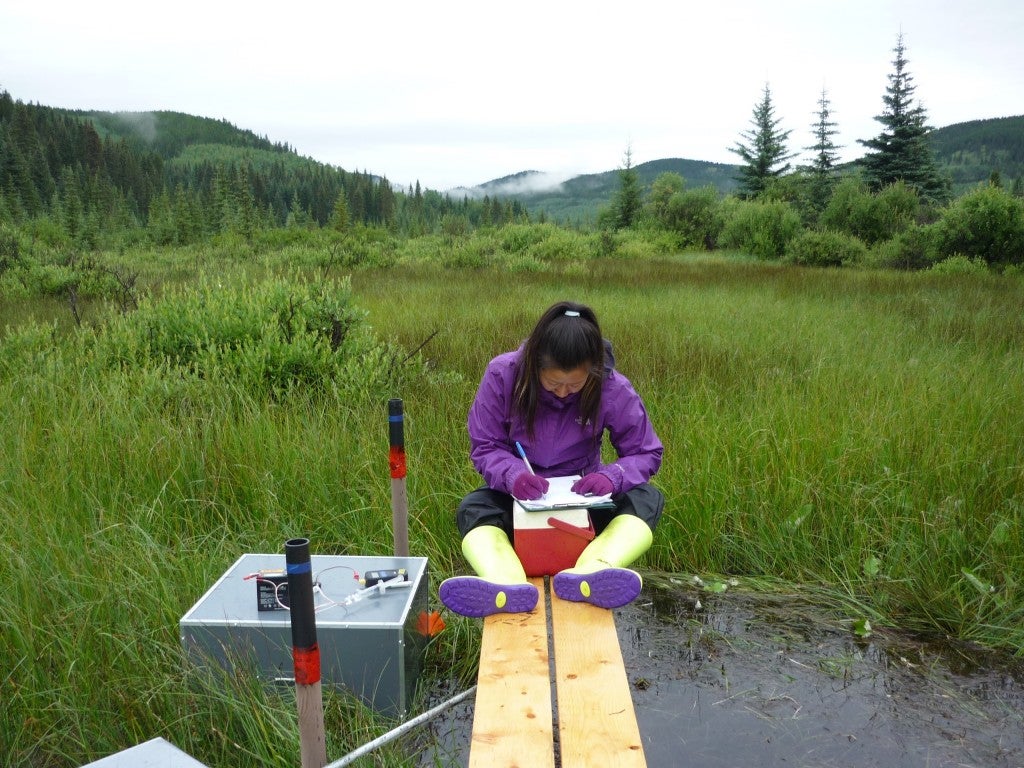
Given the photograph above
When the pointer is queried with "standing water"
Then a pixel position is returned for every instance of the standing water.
(747, 679)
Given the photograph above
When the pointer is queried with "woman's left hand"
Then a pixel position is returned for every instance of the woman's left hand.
(593, 484)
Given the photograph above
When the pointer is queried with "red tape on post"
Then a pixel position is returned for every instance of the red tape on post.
(396, 459)
(307, 665)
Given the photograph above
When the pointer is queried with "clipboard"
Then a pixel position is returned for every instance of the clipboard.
(559, 496)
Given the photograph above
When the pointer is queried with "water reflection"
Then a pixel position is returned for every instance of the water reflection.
(755, 680)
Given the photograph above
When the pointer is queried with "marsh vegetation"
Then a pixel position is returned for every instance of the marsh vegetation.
(857, 432)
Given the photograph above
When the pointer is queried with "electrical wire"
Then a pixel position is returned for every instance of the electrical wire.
(379, 588)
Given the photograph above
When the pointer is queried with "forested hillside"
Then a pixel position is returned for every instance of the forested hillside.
(170, 133)
(177, 179)
(972, 152)
(100, 179)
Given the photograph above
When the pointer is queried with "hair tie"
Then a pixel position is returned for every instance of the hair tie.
(571, 313)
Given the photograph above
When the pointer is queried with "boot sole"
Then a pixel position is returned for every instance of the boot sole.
(476, 597)
(607, 588)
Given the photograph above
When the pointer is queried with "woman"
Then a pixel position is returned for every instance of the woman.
(556, 395)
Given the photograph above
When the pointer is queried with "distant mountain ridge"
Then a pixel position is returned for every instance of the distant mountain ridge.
(968, 152)
(698, 173)
(577, 199)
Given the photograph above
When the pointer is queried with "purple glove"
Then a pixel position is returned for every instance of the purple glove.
(594, 484)
(529, 486)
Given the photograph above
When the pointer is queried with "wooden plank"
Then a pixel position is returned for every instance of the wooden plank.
(596, 721)
(512, 723)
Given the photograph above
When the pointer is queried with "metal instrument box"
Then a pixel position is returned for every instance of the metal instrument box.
(371, 639)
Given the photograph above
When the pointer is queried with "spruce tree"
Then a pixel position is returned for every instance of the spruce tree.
(340, 217)
(764, 156)
(826, 151)
(822, 169)
(71, 203)
(386, 202)
(627, 203)
(902, 151)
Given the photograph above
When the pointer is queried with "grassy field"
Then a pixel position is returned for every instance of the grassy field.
(860, 432)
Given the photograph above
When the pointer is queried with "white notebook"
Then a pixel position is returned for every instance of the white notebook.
(559, 496)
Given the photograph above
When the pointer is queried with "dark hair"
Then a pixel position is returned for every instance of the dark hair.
(566, 337)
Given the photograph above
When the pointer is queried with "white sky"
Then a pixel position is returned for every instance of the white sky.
(458, 93)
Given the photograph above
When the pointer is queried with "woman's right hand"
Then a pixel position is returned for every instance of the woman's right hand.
(529, 486)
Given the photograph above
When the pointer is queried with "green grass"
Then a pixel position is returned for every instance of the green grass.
(860, 432)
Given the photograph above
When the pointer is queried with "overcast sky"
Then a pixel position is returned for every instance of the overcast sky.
(456, 93)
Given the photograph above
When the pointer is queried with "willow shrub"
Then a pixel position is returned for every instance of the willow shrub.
(30, 268)
(871, 217)
(961, 265)
(695, 215)
(265, 337)
(761, 229)
(913, 248)
(986, 223)
(813, 248)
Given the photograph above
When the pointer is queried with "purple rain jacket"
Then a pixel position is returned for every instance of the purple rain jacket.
(560, 445)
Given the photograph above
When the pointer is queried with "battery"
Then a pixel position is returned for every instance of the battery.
(271, 590)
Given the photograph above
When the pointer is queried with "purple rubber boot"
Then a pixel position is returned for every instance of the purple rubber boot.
(476, 597)
(606, 588)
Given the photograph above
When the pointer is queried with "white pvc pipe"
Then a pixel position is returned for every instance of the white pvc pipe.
(401, 730)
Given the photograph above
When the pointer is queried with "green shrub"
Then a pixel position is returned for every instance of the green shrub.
(987, 223)
(825, 249)
(560, 245)
(605, 243)
(873, 218)
(11, 251)
(363, 248)
(544, 242)
(415, 250)
(524, 262)
(477, 252)
(663, 189)
(268, 337)
(632, 245)
(761, 229)
(56, 274)
(695, 216)
(913, 248)
(961, 265)
(46, 232)
(664, 242)
(1016, 271)
(518, 238)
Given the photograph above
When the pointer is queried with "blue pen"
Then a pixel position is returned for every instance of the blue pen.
(526, 461)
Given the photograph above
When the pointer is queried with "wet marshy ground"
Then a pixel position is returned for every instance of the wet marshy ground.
(740, 678)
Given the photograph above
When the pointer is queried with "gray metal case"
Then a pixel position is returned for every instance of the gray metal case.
(373, 647)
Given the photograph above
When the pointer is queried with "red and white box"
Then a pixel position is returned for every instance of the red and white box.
(549, 541)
